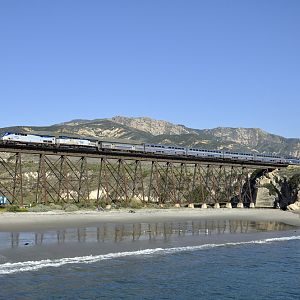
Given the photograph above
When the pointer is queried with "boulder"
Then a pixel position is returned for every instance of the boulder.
(293, 207)
(263, 198)
(263, 181)
(177, 205)
(252, 205)
(204, 205)
(191, 205)
(297, 203)
(240, 205)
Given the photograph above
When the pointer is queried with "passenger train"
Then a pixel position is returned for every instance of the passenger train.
(66, 142)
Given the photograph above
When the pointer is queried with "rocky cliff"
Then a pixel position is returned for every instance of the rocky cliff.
(279, 188)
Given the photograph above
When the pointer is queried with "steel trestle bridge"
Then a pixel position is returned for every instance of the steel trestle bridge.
(41, 174)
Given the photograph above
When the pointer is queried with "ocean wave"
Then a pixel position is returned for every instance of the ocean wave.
(10, 268)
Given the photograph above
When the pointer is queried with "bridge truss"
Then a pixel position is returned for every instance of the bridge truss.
(31, 176)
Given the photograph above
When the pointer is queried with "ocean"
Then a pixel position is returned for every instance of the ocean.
(178, 260)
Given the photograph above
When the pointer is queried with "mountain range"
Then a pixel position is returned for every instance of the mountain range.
(144, 129)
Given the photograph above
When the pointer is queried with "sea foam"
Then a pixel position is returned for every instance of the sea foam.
(10, 268)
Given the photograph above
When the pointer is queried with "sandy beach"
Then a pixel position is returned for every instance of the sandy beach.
(58, 234)
(59, 219)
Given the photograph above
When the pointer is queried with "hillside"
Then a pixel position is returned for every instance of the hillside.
(158, 131)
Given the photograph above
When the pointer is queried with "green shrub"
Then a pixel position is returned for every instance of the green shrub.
(15, 208)
(22, 209)
(39, 208)
(55, 206)
(136, 203)
(71, 207)
(12, 208)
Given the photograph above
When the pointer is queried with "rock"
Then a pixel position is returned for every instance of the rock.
(263, 181)
(177, 205)
(252, 205)
(155, 127)
(108, 207)
(298, 196)
(263, 198)
(216, 206)
(191, 205)
(297, 203)
(293, 207)
(204, 205)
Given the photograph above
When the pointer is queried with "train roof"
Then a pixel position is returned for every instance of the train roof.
(76, 136)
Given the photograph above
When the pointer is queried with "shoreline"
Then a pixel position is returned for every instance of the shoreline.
(59, 219)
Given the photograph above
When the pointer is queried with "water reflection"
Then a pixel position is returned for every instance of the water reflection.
(134, 232)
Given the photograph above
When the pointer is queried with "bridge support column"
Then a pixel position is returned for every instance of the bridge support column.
(240, 205)
(228, 205)
(216, 206)
(11, 178)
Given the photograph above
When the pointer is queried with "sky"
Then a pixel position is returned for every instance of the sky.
(202, 63)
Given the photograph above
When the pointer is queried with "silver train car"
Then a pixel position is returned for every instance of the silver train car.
(67, 142)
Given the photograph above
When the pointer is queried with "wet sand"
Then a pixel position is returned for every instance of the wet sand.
(59, 219)
(36, 236)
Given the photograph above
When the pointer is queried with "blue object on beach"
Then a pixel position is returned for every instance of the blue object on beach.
(3, 200)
